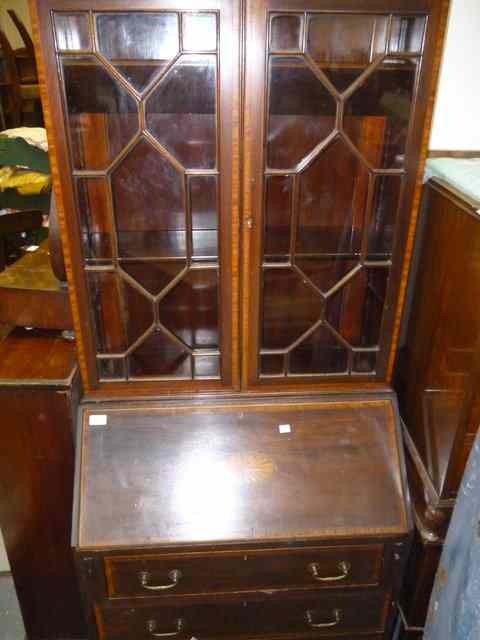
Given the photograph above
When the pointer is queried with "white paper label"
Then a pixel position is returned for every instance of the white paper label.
(32, 248)
(97, 420)
(284, 428)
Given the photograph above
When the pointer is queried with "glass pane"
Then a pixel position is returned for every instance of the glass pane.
(203, 203)
(199, 31)
(290, 307)
(95, 218)
(364, 362)
(384, 217)
(121, 313)
(138, 312)
(325, 272)
(184, 101)
(207, 366)
(407, 34)
(301, 112)
(153, 276)
(319, 353)
(71, 31)
(278, 213)
(148, 205)
(343, 45)
(106, 302)
(111, 369)
(190, 309)
(333, 193)
(102, 116)
(272, 364)
(356, 310)
(286, 33)
(377, 115)
(127, 38)
(159, 355)
(443, 412)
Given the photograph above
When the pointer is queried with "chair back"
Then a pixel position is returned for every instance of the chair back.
(11, 93)
(23, 31)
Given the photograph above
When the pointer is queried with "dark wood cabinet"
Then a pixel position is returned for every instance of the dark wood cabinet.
(438, 381)
(39, 393)
(438, 374)
(238, 186)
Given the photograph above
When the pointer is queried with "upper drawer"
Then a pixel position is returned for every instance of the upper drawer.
(192, 573)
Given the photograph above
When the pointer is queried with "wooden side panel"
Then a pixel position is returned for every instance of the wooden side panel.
(418, 584)
(38, 401)
(438, 371)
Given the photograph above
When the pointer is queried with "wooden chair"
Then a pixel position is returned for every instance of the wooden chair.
(15, 223)
(20, 99)
(25, 57)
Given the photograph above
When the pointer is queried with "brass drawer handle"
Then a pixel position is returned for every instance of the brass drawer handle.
(152, 625)
(174, 576)
(344, 567)
(337, 614)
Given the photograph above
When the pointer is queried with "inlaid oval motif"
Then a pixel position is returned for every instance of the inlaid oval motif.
(252, 467)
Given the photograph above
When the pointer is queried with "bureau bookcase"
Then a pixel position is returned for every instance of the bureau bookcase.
(237, 184)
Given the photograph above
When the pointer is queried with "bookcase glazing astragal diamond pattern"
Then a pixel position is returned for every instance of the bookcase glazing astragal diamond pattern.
(340, 92)
(147, 193)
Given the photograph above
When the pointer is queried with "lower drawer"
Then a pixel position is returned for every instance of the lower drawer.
(307, 616)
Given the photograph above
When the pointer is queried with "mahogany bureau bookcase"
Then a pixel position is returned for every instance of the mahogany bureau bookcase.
(237, 185)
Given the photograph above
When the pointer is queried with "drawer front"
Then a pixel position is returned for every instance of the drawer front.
(325, 614)
(202, 573)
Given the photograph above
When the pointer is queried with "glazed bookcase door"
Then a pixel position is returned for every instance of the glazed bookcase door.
(343, 88)
(146, 101)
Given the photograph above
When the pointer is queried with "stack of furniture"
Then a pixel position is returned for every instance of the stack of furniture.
(39, 394)
(19, 86)
(438, 373)
(33, 290)
(25, 56)
(20, 213)
(16, 222)
(237, 185)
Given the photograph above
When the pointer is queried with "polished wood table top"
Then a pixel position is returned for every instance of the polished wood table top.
(37, 357)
